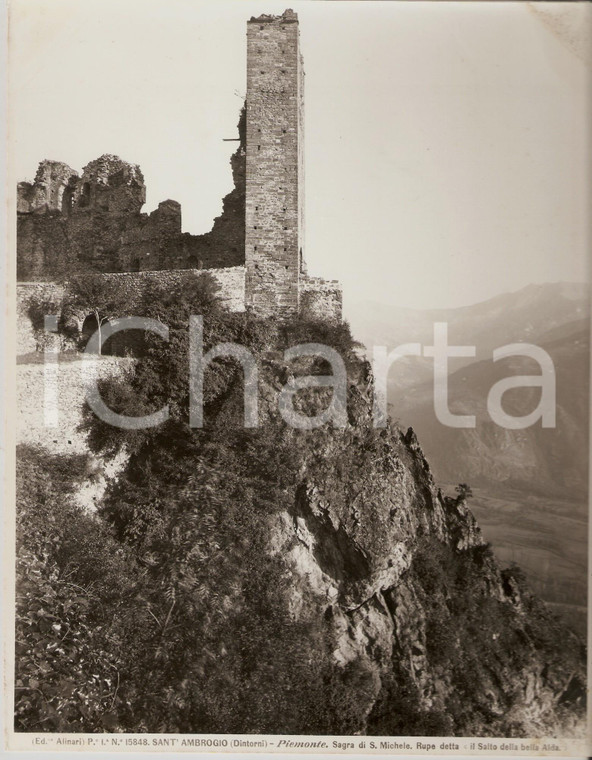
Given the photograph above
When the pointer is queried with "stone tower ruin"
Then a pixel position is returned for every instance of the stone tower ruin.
(77, 223)
(275, 164)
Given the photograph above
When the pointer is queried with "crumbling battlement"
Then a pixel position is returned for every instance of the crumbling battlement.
(52, 189)
(70, 223)
(107, 184)
(110, 184)
(287, 17)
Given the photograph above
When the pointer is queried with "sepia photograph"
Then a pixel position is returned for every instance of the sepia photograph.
(298, 389)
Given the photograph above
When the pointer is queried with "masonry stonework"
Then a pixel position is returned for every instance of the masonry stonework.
(94, 224)
(28, 339)
(59, 432)
(75, 223)
(230, 282)
(320, 299)
(274, 190)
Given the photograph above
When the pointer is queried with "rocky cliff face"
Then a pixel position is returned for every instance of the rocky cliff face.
(413, 597)
(291, 581)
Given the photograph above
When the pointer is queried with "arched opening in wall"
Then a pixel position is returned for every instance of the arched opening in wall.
(124, 343)
(85, 195)
(67, 199)
(89, 328)
(57, 194)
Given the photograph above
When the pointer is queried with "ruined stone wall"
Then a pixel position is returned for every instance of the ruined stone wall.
(224, 245)
(52, 245)
(231, 281)
(321, 299)
(69, 224)
(76, 224)
(273, 188)
(27, 338)
(110, 184)
(58, 431)
(52, 189)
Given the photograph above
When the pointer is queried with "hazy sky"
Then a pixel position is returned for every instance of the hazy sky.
(447, 144)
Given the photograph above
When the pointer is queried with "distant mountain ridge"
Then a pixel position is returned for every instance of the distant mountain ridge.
(531, 485)
(554, 459)
(523, 315)
(554, 316)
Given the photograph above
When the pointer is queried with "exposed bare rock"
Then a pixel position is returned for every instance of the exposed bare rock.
(413, 596)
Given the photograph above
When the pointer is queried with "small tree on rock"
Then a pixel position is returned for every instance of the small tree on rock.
(464, 492)
(102, 297)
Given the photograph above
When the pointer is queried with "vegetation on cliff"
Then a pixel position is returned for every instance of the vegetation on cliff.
(270, 580)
